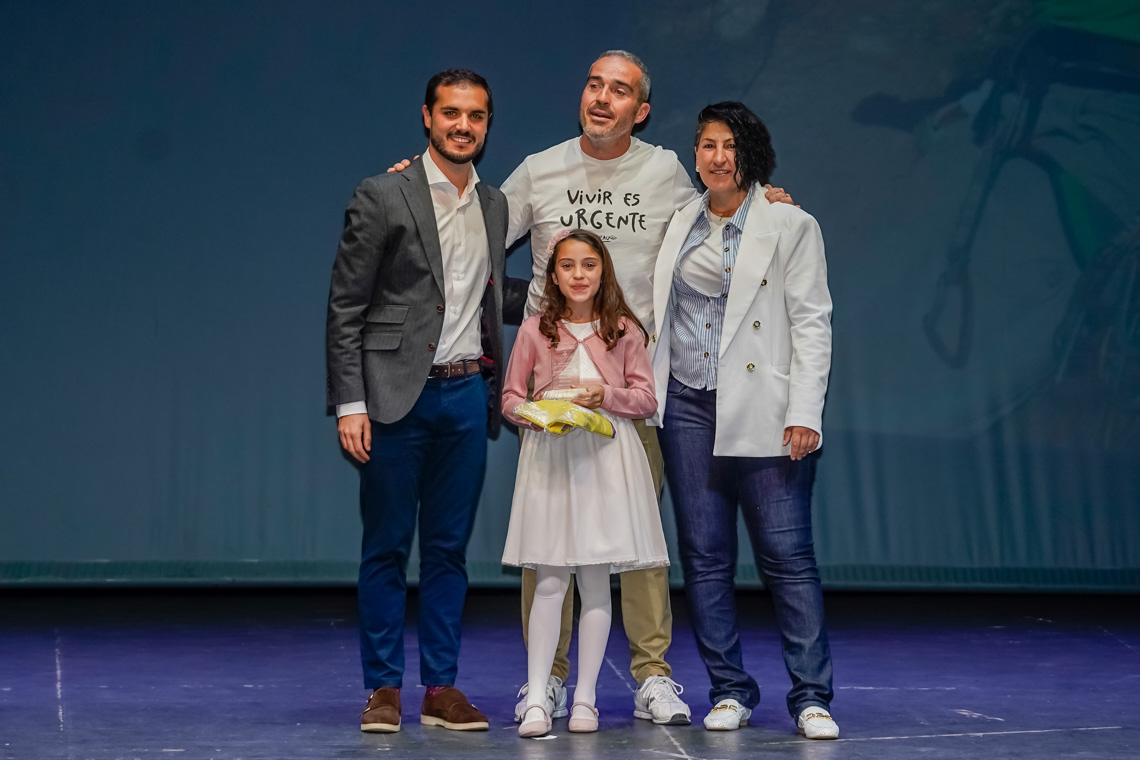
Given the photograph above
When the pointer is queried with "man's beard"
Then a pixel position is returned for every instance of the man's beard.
(440, 145)
(616, 131)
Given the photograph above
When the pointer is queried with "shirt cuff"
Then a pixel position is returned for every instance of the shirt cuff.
(352, 407)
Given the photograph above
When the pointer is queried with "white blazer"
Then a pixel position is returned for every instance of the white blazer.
(775, 348)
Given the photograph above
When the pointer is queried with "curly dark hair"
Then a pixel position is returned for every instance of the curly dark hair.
(610, 307)
(755, 158)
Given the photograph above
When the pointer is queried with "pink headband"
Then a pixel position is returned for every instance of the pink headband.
(554, 241)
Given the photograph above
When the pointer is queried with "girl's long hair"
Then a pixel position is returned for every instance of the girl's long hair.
(609, 302)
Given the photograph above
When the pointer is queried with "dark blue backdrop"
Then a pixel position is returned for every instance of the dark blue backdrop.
(173, 177)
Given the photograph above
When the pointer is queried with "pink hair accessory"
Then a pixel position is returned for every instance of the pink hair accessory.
(554, 241)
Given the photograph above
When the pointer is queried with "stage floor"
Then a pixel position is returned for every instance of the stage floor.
(275, 674)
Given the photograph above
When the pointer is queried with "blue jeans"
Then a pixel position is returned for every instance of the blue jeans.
(433, 461)
(775, 495)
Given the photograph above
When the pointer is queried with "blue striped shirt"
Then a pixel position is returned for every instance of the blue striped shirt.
(698, 318)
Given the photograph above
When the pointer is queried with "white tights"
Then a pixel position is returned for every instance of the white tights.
(546, 623)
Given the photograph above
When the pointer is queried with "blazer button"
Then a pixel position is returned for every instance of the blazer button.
(431, 346)
(756, 325)
(750, 367)
(764, 282)
(439, 308)
(654, 338)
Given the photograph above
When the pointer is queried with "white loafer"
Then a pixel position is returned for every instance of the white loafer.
(727, 715)
(817, 723)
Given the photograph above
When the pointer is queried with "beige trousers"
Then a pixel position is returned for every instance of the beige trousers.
(645, 606)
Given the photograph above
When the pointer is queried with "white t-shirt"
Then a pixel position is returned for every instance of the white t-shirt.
(628, 201)
(703, 268)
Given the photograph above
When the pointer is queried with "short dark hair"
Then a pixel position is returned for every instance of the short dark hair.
(755, 158)
(452, 78)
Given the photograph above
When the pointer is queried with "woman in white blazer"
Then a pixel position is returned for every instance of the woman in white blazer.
(741, 359)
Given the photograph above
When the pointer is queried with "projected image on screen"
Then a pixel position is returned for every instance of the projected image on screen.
(991, 148)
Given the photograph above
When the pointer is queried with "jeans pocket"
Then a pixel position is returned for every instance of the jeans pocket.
(676, 387)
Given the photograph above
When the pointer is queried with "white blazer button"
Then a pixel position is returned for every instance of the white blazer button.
(764, 282)
(654, 337)
(750, 367)
(756, 325)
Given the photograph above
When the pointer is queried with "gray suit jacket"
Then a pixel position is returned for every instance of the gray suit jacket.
(386, 300)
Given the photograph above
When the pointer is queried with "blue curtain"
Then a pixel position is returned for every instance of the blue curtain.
(172, 183)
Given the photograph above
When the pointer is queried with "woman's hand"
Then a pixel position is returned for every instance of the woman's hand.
(803, 440)
(591, 397)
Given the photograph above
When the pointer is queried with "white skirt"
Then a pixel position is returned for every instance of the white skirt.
(584, 499)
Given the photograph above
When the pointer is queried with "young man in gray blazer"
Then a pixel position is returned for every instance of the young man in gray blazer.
(414, 343)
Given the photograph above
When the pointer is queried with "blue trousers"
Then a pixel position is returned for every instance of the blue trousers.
(429, 467)
(775, 496)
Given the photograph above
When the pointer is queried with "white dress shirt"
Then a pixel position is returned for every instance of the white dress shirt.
(466, 263)
(466, 269)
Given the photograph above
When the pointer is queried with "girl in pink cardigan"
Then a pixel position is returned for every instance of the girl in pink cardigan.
(583, 503)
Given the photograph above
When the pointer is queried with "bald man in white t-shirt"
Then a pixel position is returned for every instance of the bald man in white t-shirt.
(626, 191)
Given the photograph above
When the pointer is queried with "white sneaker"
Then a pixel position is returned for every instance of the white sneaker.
(728, 715)
(659, 700)
(555, 699)
(817, 723)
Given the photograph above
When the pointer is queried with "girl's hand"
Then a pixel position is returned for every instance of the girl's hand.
(591, 397)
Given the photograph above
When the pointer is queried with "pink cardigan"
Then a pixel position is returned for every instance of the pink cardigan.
(627, 375)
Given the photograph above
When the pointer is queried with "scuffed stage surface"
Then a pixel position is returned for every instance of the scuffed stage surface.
(275, 674)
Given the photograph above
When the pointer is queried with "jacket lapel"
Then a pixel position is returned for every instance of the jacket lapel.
(675, 236)
(419, 202)
(496, 231)
(757, 246)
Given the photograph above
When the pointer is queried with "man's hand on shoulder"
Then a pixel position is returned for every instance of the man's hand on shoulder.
(774, 195)
(399, 167)
(355, 431)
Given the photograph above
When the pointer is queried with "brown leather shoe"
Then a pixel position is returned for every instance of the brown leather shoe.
(451, 709)
(382, 713)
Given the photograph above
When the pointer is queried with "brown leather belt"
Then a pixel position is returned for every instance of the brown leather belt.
(454, 369)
